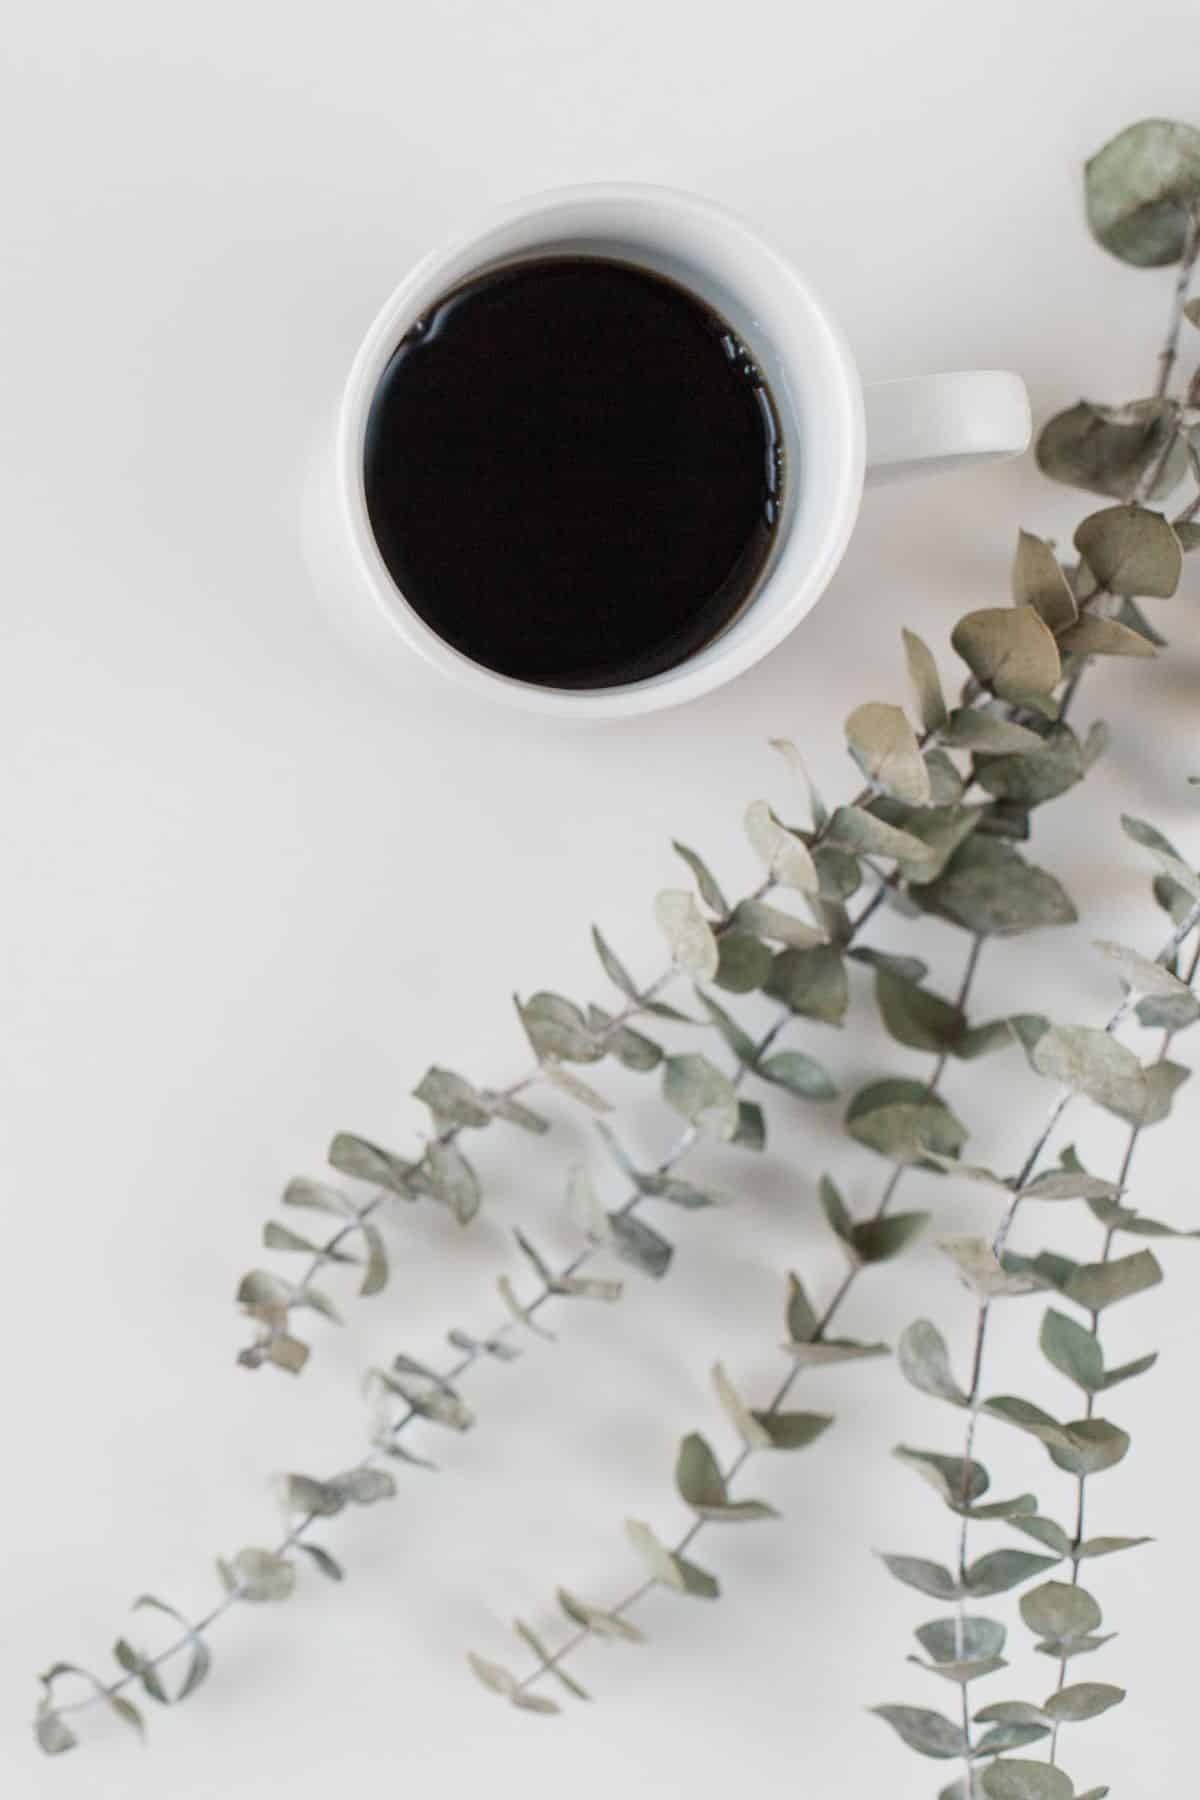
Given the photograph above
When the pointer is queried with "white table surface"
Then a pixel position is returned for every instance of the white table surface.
(253, 886)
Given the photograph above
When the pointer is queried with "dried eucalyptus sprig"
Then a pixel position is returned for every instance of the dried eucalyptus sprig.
(1066, 1618)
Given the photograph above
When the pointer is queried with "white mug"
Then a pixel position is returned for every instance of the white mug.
(834, 434)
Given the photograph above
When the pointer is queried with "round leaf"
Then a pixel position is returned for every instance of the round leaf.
(1142, 190)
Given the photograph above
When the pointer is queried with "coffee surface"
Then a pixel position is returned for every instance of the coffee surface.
(573, 471)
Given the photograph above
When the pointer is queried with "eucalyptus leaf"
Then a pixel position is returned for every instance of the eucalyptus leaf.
(1164, 853)
(902, 1120)
(1131, 550)
(1060, 1609)
(452, 1099)
(52, 1732)
(454, 1182)
(744, 962)
(687, 931)
(633, 1049)
(639, 1244)
(1037, 776)
(355, 1156)
(1001, 1570)
(1072, 1350)
(596, 1620)
(989, 888)
(1111, 449)
(959, 1483)
(971, 729)
(1096, 636)
(795, 762)
(927, 1577)
(262, 1575)
(885, 748)
(1083, 1700)
(812, 983)
(556, 1028)
(878, 1240)
(706, 881)
(928, 1733)
(853, 828)
(924, 676)
(739, 1041)
(786, 856)
(915, 1017)
(328, 1565)
(791, 1430)
(701, 1093)
(1096, 1286)
(1038, 580)
(1011, 650)
(761, 920)
(1015, 1779)
(946, 1640)
(799, 1073)
(754, 1435)
(826, 1351)
(1142, 190)
(1093, 1063)
(318, 1196)
(925, 1362)
(668, 1568)
(613, 967)
(1044, 1531)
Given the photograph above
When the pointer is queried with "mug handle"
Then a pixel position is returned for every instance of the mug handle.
(929, 423)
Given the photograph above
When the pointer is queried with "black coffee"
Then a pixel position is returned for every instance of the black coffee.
(573, 471)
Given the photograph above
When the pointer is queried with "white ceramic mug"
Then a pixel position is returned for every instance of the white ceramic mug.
(835, 435)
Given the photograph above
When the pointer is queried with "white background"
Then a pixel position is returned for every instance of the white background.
(252, 886)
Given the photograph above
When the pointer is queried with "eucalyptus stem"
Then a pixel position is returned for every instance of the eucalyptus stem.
(1110, 1232)
(1166, 955)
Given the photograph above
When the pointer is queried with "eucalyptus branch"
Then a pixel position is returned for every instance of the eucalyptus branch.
(702, 1482)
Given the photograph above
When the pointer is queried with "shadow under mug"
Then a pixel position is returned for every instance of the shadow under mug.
(839, 435)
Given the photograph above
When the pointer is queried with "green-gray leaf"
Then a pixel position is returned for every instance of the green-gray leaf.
(744, 962)
(1038, 580)
(1099, 1285)
(1010, 649)
(355, 1156)
(1084, 1700)
(924, 676)
(455, 1183)
(989, 888)
(901, 1120)
(1073, 1350)
(914, 1016)
(687, 931)
(1013, 1778)
(710, 890)
(557, 1028)
(1060, 1609)
(1131, 550)
(786, 856)
(853, 828)
(1001, 1570)
(802, 1321)
(1110, 449)
(811, 982)
(701, 1093)
(639, 1244)
(925, 1361)
(261, 1575)
(1142, 190)
(927, 1577)
(1093, 1063)
(945, 1640)
(928, 1733)
(613, 967)
(799, 1073)
(885, 748)
(669, 1568)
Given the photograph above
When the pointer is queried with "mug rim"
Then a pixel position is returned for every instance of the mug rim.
(751, 637)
